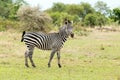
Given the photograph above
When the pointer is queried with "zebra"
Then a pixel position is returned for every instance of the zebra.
(47, 41)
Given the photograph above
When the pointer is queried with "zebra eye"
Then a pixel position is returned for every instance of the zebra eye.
(66, 22)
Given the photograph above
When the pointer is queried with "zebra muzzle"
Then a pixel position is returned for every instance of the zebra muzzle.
(72, 35)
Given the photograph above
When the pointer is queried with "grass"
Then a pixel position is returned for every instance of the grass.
(82, 58)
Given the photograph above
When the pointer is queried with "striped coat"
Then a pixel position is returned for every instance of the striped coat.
(51, 41)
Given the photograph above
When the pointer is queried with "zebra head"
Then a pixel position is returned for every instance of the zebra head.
(67, 28)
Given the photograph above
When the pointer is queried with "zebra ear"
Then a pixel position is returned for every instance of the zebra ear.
(69, 21)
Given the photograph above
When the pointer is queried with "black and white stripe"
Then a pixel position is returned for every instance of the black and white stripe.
(51, 41)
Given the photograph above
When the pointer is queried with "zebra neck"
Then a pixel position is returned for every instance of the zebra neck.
(64, 37)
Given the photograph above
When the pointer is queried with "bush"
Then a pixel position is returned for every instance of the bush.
(59, 17)
(90, 20)
(32, 19)
(8, 24)
(95, 19)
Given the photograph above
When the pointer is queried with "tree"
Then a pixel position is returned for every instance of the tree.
(81, 9)
(60, 7)
(33, 19)
(76, 12)
(86, 9)
(102, 7)
(13, 11)
(14, 8)
(116, 14)
(90, 20)
(8, 8)
(20, 2)
(5, 8)
(58, 18)
(95, 19)
(101, 19)
(74, 9)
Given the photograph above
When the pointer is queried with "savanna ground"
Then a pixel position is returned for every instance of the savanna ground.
(92, 57)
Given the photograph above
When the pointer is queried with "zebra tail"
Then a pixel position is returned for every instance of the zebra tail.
(22, 36)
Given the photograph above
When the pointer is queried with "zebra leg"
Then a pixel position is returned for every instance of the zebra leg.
(31, 49)
(51, 57)
(26, 60)
(58, 56)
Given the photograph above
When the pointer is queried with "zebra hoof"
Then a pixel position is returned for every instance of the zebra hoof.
(59, 66)
(34, 66)
(27, 65)
(49, 65)
(72, 35)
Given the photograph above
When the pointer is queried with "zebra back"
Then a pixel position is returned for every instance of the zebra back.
(48, 41)
(38, 40)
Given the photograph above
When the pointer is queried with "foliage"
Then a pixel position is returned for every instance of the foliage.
(95, 19)
(5, 8)
(90, 20)
(12, 14)
(20, 2)
(60, 7)
(101, 19)
(33, 19)
(8, 8)
(8, 24)
(87, 8)
(79, 9)
(59, 17)
(74, 12)
(116, 14)
(74, 9)
(102, 7)
(81, 14)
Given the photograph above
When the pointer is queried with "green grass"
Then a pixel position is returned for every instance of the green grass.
(82, 58)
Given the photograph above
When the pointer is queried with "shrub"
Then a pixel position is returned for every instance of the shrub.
(32, 19)
(8, 24)
(95, 19)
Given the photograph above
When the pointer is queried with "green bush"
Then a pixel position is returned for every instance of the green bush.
(90, 20)
(8, 24)
(96, 19)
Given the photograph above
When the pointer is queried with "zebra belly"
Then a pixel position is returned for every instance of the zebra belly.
(45, 46)
(38, 46)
